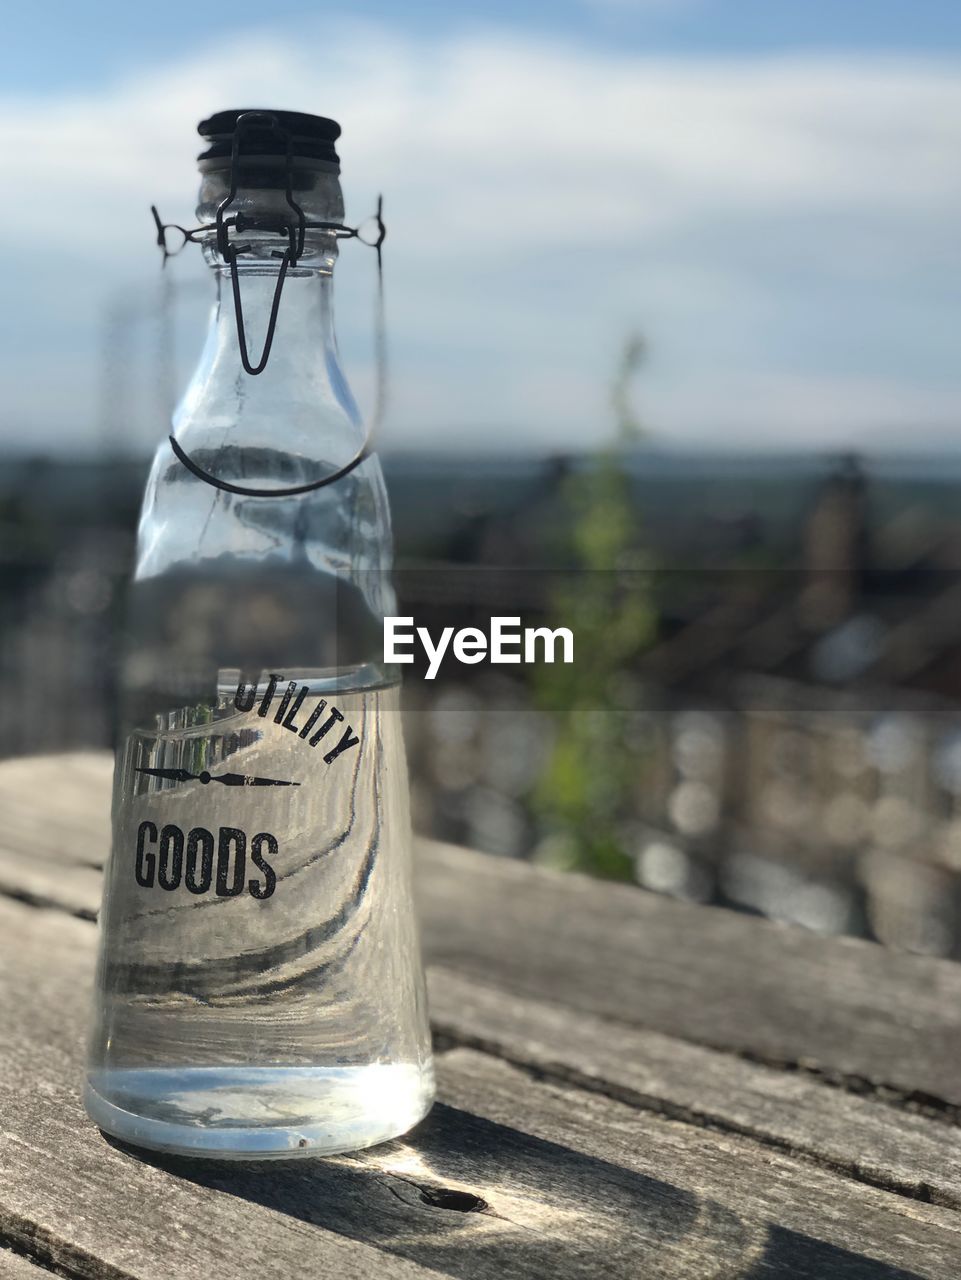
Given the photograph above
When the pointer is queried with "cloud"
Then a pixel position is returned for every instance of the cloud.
(632, 8)
(753, 218)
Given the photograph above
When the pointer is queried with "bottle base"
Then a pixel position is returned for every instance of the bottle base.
(259, 1113)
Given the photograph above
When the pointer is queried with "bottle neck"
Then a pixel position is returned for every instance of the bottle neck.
(304, 345)
(296, 419)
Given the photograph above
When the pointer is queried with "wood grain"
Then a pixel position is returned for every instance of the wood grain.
(54, 834)
(842, 1007)
(14, 1266)
(75, 1200)
(870, 1141)
(863, 1138)
(572, 1182)
(734, 1209)
(707, 975)
(57, 807)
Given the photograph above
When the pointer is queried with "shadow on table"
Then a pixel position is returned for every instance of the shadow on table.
(469, 1198)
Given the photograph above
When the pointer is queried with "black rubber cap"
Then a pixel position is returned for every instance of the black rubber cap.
(265, 133)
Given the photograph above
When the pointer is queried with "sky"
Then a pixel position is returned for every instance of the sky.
(768, 193)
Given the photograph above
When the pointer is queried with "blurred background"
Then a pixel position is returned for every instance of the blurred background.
(673, 296)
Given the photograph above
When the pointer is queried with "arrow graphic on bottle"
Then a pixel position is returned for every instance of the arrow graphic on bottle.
(227, 779)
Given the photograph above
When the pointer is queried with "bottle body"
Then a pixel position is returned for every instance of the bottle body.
(259, 988)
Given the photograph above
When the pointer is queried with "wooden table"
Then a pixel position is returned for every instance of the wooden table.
(629, 1087)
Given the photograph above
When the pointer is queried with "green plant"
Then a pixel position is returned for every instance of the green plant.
(585, 795)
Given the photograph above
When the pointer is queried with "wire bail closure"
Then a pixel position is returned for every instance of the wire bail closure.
(230, 252)
(295, 230)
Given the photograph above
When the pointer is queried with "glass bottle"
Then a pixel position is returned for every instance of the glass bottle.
(259, 987)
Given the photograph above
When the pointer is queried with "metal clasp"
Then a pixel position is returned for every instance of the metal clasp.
(230, 252)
